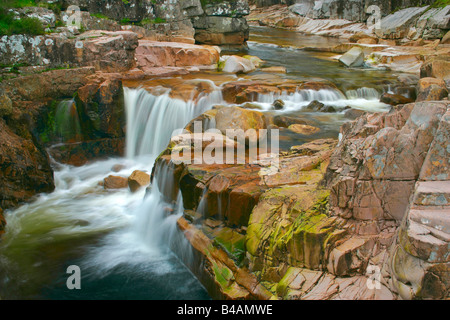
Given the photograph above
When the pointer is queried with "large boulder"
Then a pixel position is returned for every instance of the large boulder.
(115, 182)
(436, 67)
(398, 24)
(433, 24)
(387, 154)
(138, 180)
(152, 54)
(431, 89)
(105, 50)
(223, 31)
(132, 10)
(236, 64)
(101, 108)
(53, 84)
(235, 118)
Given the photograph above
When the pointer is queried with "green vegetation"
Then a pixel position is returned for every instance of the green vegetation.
(125, 21)
(17, 3)
(440, 3)
(99, 16)
(145, 22)
(9, 25)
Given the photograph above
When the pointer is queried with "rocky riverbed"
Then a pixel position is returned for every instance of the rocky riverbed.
(356, 206)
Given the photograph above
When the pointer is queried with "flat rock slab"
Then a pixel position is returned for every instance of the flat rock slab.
(174, 54)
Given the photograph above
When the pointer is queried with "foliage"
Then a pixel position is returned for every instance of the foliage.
(440, 3)
(9, 25)
(99, 16)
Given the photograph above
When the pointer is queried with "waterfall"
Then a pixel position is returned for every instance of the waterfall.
(67, 122)
(303, 96)
(151, 120)
(362, 98)
(363, 93)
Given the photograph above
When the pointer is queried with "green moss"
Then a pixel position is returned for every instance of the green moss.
(99, 16)
(440, 4)
(50, 127)
(231, 242)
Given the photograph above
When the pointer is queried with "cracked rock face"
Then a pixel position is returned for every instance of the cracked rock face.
(382, 162)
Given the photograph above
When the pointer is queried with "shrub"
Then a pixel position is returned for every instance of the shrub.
(9, 25)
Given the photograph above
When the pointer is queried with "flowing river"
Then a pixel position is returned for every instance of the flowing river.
(126, 244)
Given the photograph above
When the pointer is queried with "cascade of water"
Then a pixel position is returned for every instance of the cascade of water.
(303, 96)
(67, 121)
(151, 120)
(363, 93)
(362, 98)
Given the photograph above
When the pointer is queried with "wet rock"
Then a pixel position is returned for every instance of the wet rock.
(314, 106)
(236, 64)
(257, 62)
(284, 121)
(274, 69)
(353, 58)
(100, 105)
(304, 129)
(328, 109)
(353, 114)
(394, 99)
(115, 182)
(137, 180)
(80, 153)
(235, 118)
(278, 104)
(220, 274)
(320, 107)
(431, 89)
(117, 167)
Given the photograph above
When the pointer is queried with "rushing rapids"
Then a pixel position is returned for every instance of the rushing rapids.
(115, 235)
